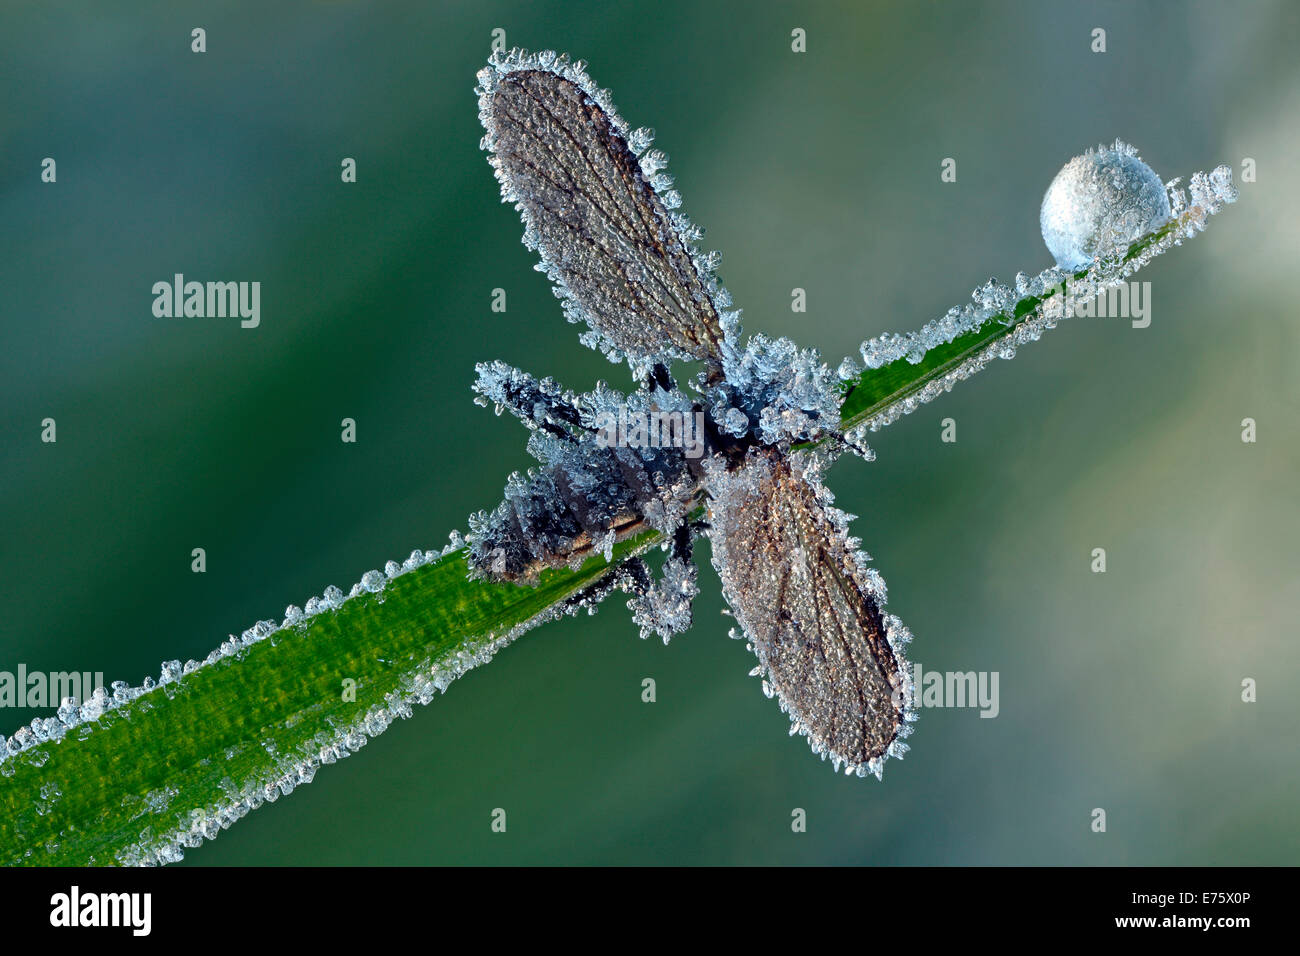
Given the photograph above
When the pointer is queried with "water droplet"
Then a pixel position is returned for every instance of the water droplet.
(1099, 203)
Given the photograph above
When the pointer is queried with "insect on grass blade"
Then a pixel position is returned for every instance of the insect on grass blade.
(622, 263)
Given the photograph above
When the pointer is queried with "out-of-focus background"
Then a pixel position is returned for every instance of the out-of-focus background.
(816, 170)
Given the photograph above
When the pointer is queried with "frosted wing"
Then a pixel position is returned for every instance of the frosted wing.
(618, 258)
(810, 610)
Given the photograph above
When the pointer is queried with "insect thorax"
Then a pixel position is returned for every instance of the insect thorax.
(614, 466)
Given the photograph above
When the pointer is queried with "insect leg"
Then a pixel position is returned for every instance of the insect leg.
(538, 404)
(665, 607)
(660, 378)
(631, 576)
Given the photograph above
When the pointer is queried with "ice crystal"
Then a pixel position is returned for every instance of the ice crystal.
(664, 607)
(783, 392)
(1100, 203)
(538, 404)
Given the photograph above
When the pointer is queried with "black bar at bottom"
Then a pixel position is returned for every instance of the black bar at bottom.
(327, 906)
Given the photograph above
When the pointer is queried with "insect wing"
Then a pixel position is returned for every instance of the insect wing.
(810, 610)
(604, 233)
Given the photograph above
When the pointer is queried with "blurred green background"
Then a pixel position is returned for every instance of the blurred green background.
(816, 170)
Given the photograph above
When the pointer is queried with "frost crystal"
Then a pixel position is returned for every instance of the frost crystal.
(779, 391)
(665, 609)
(1100, 203)
(162, 844)
(538, 404)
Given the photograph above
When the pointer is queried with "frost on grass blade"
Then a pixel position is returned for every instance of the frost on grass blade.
(1000, 319)
(810, 609)
(290, 770)
(169, 818)
(601, 218)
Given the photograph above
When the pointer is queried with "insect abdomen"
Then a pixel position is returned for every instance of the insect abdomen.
(571, 509)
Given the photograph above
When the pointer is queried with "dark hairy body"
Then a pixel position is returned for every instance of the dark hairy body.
(597, 496)
(600, 212)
